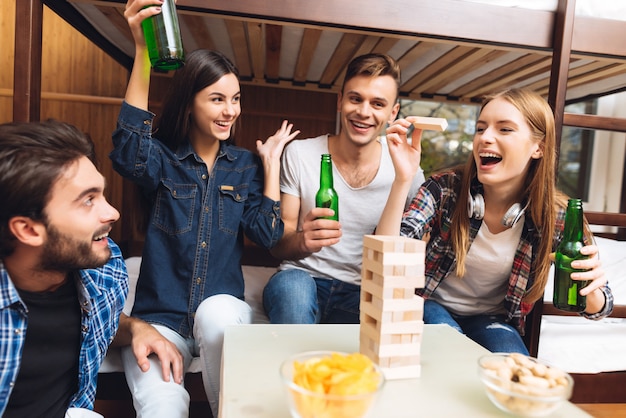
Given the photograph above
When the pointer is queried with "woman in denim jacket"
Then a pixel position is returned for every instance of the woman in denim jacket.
(206, 194)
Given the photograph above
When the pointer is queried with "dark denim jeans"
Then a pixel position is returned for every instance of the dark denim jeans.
(293, 296)
(490, 331)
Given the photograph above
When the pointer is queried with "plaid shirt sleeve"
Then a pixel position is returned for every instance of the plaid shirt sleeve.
(430, 212)
(12, 335)
(102, 300)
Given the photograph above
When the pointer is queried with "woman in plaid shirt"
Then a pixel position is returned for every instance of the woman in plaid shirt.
(492, 223)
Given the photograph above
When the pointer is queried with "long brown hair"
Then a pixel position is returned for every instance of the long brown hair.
(539, 188)
(202, 68)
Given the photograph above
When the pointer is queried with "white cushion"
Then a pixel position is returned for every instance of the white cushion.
(578, 345)
(255, 279)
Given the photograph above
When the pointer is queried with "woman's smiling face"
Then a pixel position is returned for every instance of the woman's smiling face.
(503, 144)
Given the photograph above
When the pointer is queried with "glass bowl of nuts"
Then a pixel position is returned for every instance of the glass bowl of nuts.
(522, 386)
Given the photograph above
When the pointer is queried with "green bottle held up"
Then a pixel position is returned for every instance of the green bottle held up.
(326, 196)
(567, 291)
(162, 33)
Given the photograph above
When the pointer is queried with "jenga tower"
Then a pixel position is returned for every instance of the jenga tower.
(391, 313)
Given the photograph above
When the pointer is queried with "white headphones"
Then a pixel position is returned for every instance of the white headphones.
(476, 210)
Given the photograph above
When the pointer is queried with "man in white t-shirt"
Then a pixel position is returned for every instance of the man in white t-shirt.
(319, 279)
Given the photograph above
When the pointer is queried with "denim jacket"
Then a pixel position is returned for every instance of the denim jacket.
(194, 239)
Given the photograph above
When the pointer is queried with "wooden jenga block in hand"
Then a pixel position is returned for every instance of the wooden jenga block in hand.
(391, 313)
(430, 123)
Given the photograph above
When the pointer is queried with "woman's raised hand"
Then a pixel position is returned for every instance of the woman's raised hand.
(272, 148)
(137, 11)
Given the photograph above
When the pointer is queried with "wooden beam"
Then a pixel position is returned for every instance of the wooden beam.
(27, 63)
(509, 26)
(599, 36)
(237, 33)
(256, 39)
(536, 68)
(342, 55)
(594, 122)
(310, 38)
(562, 49)
(428, 74)
(606, 218)
(199, 31)
(476, 85)
(273, 42)
(459, 69)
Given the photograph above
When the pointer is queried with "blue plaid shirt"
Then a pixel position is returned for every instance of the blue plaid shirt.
(430, 212)
(101, 293)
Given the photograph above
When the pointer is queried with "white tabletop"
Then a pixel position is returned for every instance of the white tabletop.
(448, 386)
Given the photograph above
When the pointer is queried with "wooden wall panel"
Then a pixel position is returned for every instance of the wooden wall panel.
(72, 64)
(98, 121)
(83, 86)
(7, 50)
(264, 109)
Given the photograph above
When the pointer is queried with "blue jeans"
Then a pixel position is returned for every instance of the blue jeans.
(293, 296)
(490, 331)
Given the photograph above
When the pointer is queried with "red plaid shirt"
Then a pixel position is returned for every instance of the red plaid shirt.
(430, 212)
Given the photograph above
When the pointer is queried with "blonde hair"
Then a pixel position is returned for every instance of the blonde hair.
(539, 188)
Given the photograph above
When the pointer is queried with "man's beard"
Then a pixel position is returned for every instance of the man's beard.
(63, 253)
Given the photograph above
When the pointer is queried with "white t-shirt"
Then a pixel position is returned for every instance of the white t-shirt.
(359, 208)
(488, 267)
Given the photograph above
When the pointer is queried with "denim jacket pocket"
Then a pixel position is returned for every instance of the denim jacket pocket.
(232, 203)
(174, 207)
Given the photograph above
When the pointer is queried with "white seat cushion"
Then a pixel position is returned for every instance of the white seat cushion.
(578, 345)
(255, 278)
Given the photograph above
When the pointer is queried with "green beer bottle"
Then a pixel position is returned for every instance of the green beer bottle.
(163, 40)
(326, 196)
(566, 291)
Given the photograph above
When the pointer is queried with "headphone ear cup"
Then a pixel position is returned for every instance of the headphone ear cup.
(512, 215)
(476, 206)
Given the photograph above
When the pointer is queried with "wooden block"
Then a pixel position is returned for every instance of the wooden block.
(403, 327)
(402, 361)
(402, 305)
(369, 288)
(393, 243)
(369, 309)
(406, 331)
(406, 372)
(391, 350)
(409, 282)
(429, 123)
(370, 331)
(384, 338)
(399, 259)
(415, 269)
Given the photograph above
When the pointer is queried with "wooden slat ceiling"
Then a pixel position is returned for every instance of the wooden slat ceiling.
(275, 43)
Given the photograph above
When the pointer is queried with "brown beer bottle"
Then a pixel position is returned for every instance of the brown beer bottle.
(567, 291)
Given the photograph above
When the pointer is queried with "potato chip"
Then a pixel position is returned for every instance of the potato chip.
(340, 382)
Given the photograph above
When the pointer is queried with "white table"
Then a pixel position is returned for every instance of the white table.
(448, 386)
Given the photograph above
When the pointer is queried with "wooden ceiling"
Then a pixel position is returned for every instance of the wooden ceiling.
(449, 50)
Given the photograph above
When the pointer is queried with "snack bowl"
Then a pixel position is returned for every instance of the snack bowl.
(523, 386)
(331, 384)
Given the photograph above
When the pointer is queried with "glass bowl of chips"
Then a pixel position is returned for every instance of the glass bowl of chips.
(331, 384)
